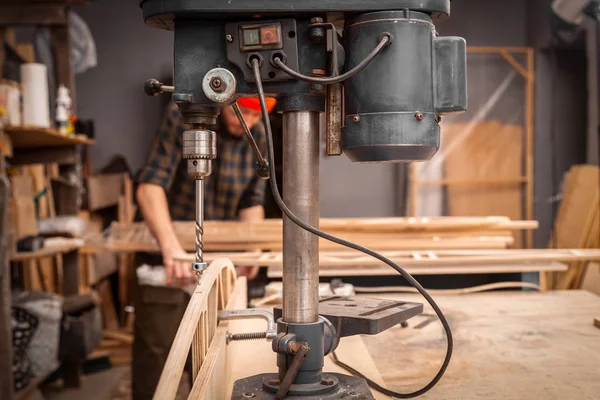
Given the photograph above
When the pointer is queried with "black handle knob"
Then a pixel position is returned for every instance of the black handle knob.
(152, 87)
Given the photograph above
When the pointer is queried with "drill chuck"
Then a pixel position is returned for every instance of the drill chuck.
(199, 149)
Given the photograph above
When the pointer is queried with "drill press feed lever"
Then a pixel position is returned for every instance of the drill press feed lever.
(398, 79)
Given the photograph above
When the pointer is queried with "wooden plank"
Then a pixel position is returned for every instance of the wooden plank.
(44, 252)
(576, 213)
(32, 137)
(414, 258)
(63, 64)
(472, 182)
(276, 273)
(22, 199)
(505, 341)
(529, 141)
(487, 150)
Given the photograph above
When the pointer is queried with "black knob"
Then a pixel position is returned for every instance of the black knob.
(152, 87)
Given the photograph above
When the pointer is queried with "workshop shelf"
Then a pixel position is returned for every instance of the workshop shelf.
(33, 137)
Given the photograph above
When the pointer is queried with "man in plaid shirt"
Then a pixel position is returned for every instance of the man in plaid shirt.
(165, 193)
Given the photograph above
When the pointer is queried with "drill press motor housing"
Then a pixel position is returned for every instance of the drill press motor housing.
(384, 78)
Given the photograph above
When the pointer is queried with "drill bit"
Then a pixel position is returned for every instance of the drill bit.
(199, 265)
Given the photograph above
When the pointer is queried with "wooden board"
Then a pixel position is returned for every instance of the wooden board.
(412, 258)
(576, 216)
(22, 201)
(384, 270)
(33, 137)
(508, 346)
(488, 150)
(45, 252)
(381, 234)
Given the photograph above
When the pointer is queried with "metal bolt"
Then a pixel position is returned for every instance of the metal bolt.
(229, 38)
(352, 394)
(274, 382)
(316, 20)
(248, 395)
(356, 119)
(318, 72)
(327, 381)
(419, 116)
(216, 83)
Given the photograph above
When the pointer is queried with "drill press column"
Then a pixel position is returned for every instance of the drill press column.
(301, 194)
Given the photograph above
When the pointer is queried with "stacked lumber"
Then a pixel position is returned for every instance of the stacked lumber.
(379, 233)
(443, 262)
(577, 223)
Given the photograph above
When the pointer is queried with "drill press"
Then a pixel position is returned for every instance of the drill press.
(384, 84)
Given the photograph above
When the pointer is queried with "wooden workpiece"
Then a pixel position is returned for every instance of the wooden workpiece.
(507, 346)
(378, 233)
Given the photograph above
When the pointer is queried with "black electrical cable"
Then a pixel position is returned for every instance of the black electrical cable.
(386, 40)
(365, 250)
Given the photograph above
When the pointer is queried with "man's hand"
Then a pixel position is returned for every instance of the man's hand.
(177, 273)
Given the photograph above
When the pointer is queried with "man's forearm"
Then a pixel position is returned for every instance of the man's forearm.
(155, 209)
(252, 214)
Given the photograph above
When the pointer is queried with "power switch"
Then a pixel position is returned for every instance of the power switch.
(260, 37)
(270, 35)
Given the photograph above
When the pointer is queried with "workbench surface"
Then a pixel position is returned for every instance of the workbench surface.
(507, 346)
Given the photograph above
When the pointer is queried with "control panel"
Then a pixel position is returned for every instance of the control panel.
(263, 40)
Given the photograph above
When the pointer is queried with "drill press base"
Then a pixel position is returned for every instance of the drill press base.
(348, 387)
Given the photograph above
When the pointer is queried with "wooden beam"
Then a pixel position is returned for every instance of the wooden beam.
(38, 14)
(384, 270)
(529, 141)
(59, 155)
(61, 46)
(515, 64)
(472, 182)
(496, 50)
(448, 258)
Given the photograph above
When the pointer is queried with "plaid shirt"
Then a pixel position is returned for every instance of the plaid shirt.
(232, 186)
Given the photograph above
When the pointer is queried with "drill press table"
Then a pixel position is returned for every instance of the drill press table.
(508, 346)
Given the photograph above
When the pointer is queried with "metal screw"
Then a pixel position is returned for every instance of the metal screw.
(248, 395)
(327, 381)
(316, 20)
(229, 38)
(356, 119)
(419, 115)
(352, 394)
(318, 72)
(274, 382)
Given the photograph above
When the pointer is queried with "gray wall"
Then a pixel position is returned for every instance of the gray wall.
(112, 94)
